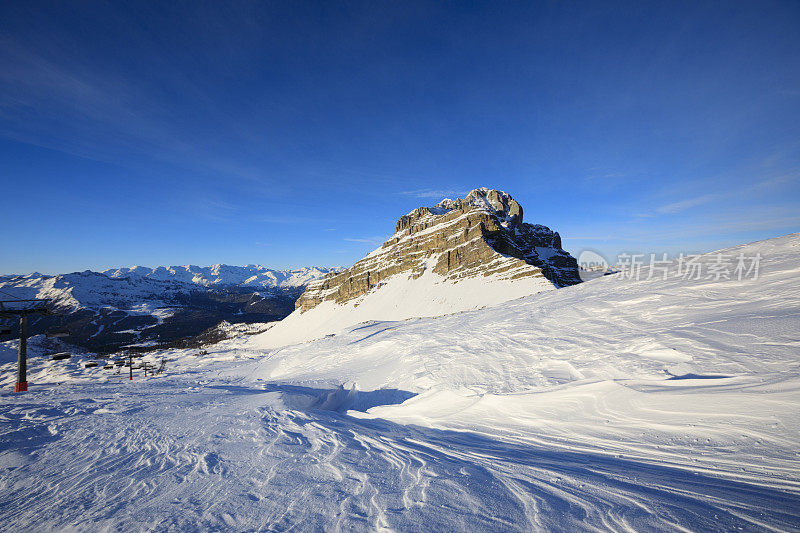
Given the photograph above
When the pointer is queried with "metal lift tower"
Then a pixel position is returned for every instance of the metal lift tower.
(21, 309)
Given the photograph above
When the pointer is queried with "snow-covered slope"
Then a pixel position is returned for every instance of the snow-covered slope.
(611, 405)
(657, 403)
(400, 297)
(41, 367)
(608, 328)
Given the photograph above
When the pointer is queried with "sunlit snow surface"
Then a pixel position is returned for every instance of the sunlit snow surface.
(609, 405)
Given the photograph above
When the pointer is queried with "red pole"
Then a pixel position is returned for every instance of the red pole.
(130, 367)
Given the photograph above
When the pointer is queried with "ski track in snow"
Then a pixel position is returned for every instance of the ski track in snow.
(132, 456)
(664, 405)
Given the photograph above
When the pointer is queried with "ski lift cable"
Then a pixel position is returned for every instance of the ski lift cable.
(60, 331)
(11, 295)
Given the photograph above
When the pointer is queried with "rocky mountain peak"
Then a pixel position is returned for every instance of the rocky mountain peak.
(479, 236)
(498, 204)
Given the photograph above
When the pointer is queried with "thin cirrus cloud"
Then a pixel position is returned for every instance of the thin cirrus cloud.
(765, 185)
(677, 207)
(60, 95)
(731, 222)
(434, 193)
(367, 240)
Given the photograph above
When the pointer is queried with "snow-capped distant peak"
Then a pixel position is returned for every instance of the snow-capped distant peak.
(220, 274)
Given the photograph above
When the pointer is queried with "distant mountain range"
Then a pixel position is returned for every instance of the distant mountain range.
(255, 276)
(107, 310)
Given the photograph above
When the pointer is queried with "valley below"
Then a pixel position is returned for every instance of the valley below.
(139, 308)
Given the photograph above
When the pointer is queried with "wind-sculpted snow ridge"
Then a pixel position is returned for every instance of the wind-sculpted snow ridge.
(657, 405)
(458, 255)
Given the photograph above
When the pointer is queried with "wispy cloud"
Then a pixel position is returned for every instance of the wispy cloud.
(598, 178)
(54, 101)
(286, 219)
(760, 186)
(780, 219)
(216, 210)
(777, 219)
(609, 237)
(604, 176)
(677, 207)
(439, 194)
(218, 205)
(769, 184)
(368, 240)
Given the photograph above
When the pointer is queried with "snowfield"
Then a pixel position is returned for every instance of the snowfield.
(397, 298)
(611, 405)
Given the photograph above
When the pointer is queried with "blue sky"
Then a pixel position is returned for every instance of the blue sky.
(290, 133)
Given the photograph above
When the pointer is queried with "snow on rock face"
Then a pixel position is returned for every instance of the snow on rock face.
(489, 201)
(458, 255)
(92, 290)
(479, 236)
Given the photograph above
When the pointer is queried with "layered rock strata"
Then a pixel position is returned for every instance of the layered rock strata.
(481, 235)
